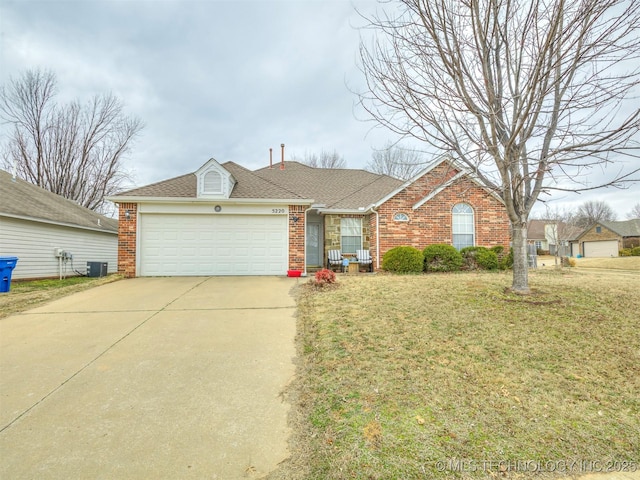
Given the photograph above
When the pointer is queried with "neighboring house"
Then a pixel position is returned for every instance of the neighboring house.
(551, 236)
(36, 225)
(536, 234)
(607, 238)
(228, 220)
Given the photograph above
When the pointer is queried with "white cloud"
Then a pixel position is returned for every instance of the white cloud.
(222, 79)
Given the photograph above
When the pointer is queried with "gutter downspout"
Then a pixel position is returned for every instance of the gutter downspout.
(304, 273)
(377, 238)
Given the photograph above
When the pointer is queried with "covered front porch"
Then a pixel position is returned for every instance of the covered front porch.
(346, 233)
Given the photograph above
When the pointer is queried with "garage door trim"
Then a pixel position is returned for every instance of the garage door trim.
(210, 244)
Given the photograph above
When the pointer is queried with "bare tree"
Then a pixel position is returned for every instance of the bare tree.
(593, 211)
(396, 162)
(634, 212)
(323, 160)
(559, 229)
(73, 150)
(528, 94)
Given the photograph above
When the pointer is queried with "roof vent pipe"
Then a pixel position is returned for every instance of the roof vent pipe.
(282, 162)
(270, 158)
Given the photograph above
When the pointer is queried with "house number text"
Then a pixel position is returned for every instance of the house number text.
(277, 210)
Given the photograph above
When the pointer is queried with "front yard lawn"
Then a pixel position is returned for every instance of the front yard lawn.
(447, 376)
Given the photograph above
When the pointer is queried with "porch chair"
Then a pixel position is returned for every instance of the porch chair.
(364, 258)
(334, 258)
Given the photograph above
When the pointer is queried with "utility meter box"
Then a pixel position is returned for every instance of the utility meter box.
(97, 269)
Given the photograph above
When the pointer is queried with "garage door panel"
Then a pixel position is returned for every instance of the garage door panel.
(605, 248)
(213, 245)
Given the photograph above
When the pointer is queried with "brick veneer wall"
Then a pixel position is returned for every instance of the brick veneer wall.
(432, 222)
(127, 239)
(296, 237)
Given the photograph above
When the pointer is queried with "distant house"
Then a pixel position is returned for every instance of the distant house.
(551, 236)
(224, 219)
(50, 234)
(607, 238)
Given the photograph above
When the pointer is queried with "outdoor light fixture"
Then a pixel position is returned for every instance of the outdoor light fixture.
(295, 219)
(127, 214)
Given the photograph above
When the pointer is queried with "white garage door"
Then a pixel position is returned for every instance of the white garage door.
(172, 245)
(608, 248)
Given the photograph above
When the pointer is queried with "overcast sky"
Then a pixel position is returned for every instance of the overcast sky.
(210, 78)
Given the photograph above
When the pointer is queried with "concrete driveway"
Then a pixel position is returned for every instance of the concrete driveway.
(149, 378)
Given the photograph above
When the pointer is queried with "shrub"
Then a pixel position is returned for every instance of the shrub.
(325, 277)
(568, 262)
(486, 259)
(506, 262)
(635, 252)
(479, 257)
(442, 258)
(625, 252)
(469, 257)
(498, 249)
(403, 260)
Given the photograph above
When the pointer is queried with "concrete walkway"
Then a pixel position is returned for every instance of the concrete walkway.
(149, 378)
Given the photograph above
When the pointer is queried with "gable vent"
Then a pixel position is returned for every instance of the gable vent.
(213, 182)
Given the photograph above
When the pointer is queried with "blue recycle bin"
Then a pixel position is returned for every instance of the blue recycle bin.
(7, 264)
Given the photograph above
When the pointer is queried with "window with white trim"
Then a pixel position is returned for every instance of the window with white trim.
(401, 217)
(212, 182)
(350, 235)
(463, 226)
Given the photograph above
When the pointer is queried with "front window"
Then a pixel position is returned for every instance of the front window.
(538, 245)
(350, 234)
(463, 226)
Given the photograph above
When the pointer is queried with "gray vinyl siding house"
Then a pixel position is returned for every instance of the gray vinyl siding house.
(35, 222)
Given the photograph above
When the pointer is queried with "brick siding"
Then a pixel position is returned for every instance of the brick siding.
(127, 239)
(296, 237)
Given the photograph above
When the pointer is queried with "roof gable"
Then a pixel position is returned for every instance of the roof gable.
(214, 181)
(21, 199)
(456, 168)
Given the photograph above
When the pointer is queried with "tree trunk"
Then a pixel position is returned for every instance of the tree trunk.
(520, 262)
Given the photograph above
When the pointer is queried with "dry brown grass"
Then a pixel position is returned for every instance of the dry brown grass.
(617, 263)
(398, 373)
(25, 295)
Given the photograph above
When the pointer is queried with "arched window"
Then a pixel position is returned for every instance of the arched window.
(463, 226)
(212, 182)
(401, 217)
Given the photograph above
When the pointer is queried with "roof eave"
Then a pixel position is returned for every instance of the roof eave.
(59, 224)
(345, 211)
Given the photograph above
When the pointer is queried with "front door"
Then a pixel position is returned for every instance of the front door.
(313, 244)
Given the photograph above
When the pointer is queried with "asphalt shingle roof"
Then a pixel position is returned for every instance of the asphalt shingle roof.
(22, 199)
(336, 188)
(625, 228)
